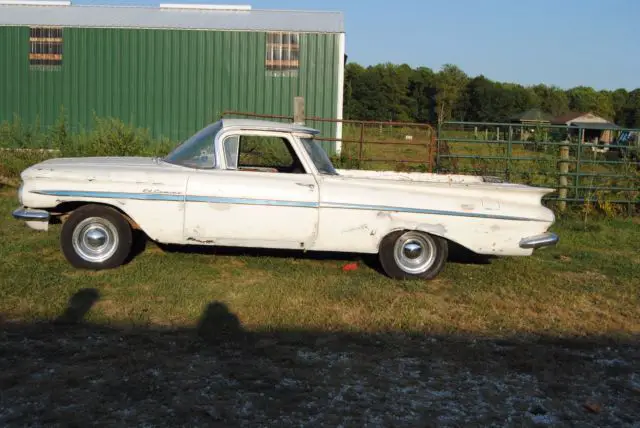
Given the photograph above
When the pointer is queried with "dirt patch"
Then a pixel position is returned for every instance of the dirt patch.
(581, 277)
(9, 187)
(81, 273)
(247, 277)
(110, 308)
(230, 262)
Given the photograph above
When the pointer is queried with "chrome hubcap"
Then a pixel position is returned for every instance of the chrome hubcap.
(415, 252)
(412, 250)
(95, 239)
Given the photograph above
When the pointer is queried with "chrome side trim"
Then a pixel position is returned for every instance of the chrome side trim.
(31, 214)
(545, 240)
(300, 204)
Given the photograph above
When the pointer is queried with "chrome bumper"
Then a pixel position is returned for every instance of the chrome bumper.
(29, 214)
(545, 240)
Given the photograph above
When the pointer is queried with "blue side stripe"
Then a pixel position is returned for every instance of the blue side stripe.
(423, 211)
(243, 201)
(113, 195)
(271, 202)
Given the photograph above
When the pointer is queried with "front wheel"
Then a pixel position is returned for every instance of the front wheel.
(413, 255)
(96, 237)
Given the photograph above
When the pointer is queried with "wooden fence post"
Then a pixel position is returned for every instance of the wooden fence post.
(298, 110)
(563, 182)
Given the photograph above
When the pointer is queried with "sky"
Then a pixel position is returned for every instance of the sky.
(565, 43)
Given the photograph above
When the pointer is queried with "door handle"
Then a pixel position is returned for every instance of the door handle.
(310, 186)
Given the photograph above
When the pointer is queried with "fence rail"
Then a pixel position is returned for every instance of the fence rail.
(587, 165)
(590, 164)
(372, 144)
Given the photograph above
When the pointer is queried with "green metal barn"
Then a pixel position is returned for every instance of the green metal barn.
(171, 69)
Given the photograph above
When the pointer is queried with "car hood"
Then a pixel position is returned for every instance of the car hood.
(107, 161)
(99, 168)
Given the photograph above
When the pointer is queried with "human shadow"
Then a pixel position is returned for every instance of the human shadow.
(219, 325)
(78, 306)
(219, 373)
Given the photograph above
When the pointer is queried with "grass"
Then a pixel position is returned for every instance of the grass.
(285, 339)
(588, 285)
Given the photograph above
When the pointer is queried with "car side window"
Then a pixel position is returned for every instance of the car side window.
(231, 145)
(261, 153)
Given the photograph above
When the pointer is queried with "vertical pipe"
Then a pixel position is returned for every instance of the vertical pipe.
(432, 140)
(340, 98)
(438, 138)
(562, 183)
(509, 154)
(576, 181)
(361, 144)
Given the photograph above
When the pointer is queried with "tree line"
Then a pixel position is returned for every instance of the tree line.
(402, 93)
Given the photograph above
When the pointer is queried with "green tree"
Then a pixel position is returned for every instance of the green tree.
(483, 99)
(583, 99)
(450, 85)
(354, 91)
(604, 105)
(619, 100)
(422, 89)
(398, 92)
(552, 99)
(632, 110)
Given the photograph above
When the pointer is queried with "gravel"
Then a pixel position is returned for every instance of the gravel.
(86, 375)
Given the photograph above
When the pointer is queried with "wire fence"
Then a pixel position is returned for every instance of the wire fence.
(591, 164)
(367, 144)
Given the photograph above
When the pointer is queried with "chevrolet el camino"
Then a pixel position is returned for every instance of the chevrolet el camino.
(262, 184)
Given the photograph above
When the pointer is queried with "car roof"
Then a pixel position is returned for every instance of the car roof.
(267, 125)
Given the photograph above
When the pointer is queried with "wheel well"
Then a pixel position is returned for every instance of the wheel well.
(63, 210)
(450, 242)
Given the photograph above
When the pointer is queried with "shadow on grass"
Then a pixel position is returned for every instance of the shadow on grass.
(78, 306)
(220, 374)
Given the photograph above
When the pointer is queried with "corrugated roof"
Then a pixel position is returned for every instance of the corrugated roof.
(562, 119)
(595, 125)
(147, 17)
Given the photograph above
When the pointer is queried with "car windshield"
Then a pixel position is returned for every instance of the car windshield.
(318, 156)
(198, 151)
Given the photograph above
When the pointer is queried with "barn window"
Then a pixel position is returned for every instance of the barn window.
(45, 47)
(283, 52)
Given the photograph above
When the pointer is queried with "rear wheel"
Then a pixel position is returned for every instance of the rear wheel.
(413, 255)
(96, 237)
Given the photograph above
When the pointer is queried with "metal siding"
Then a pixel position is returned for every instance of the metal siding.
(173, 82)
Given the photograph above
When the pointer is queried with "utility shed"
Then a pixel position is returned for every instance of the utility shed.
(171, 69)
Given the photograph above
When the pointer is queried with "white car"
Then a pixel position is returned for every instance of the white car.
(262, 184)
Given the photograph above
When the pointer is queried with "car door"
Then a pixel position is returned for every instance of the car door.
(261, 195)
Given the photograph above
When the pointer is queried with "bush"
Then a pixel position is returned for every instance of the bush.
(112, 137)
(17, 135)
(24, 145)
